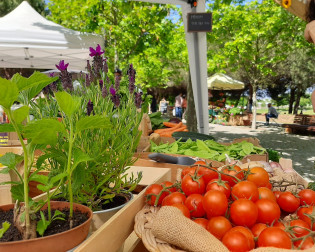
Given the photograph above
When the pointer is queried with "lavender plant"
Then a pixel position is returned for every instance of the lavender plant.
(103, 175)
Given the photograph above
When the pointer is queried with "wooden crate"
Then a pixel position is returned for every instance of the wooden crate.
(5, 190)
(117, 233)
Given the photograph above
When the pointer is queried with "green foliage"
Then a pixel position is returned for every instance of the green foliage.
(7, 6)
(5, 227)
(208, 149)
(42, 224)
(157, 120)
(273, 155)
(135, 32)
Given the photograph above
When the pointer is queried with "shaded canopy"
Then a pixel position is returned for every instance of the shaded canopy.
(28, 40)
(221, 81)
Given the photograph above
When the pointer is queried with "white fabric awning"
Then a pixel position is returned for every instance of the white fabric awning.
(28, 40)
(221, 81)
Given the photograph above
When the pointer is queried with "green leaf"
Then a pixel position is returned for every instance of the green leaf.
(67, 103)
(44, 131)
(247, 148)
(6, 127)
(42, 224)
(5, 227)
(37, 81)
(44, 188)
(11, 160)
(93, 122)
(20, 114)
(57, 178)
(78, 157)
(9, 93)
(17, 192)
(40, 178)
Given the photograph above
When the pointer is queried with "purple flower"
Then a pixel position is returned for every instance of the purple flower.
(138, 100)
(112, 91)
(97, 51)
(132, 78)
(51, 74)
(104, 92)
(89, 108)
(101, 83)
(87, 80)
(62, 66)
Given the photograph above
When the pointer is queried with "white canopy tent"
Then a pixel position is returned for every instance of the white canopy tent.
(220, 81)
(28, 40)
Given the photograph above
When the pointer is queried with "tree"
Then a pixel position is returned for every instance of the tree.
(252, 39)
(7, 6)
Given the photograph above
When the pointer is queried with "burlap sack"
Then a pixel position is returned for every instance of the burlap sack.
(172, 226)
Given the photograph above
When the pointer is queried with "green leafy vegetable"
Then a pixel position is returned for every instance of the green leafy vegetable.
(5, 227)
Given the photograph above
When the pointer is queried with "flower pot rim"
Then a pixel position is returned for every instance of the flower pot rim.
(115, 208)
(54, 235)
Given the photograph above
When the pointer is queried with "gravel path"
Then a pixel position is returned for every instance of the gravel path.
(301, 149)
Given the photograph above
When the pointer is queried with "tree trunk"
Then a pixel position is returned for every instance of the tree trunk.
(291, 101)
(254, 106)
(249, 106)
(191, 111)
(297, 101)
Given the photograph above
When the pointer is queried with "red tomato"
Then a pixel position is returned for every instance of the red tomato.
(307, 244)
(169, 184)
(183, 209)
(188, 170)
(152, 192)
(199, 162)
(266, 193)
(233, 170)
(219, 185)
(259, 176)
(194, 205)
(307, 197)
(245, 190)
(299, 232)
(202, 222)
(236, 241)
(258, 228)
(218, 226)
(268, 211)
(288, 202)
(279, 224)
(269, 186)
(175, 197)
(215, 203)
(191, 185)
(243, 212)
(245, 231)
(207, 174)
(274, 237)
(277, 194)
(306, 210)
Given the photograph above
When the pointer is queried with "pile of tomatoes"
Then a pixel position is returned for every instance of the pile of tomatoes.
(239, 208)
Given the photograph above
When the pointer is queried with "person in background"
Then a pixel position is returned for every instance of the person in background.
(178, 105)
(272, 113)
(184, 105)
(163, 105)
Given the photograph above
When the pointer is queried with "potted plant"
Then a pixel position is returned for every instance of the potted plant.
(29, 218)
(101, 181)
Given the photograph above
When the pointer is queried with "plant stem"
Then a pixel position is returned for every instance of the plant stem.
(69, 170)
(25, 184)
(48, 206)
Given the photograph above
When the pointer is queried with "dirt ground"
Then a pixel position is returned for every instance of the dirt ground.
(299, 148)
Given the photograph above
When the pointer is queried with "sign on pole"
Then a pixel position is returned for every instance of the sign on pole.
(199, 22)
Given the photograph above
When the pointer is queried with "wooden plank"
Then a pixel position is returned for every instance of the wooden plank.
(112, 235)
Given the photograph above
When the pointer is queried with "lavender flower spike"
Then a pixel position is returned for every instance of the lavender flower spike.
(89, 108)
(132, 78)
(62, 66)
(112, 91)
(97, 51)
(101, 83)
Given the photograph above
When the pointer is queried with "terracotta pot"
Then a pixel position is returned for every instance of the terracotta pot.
(100, 217)
(58, 242)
